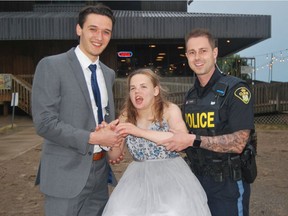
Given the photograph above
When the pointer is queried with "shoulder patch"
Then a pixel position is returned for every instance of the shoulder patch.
(243, 94)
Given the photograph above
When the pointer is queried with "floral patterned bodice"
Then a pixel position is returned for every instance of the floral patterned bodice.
(143, 149)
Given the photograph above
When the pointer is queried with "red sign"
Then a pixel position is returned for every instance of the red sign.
(125, 54)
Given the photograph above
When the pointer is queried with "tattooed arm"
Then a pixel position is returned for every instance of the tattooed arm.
(228, 143)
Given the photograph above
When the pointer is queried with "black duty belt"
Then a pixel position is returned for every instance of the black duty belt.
(218, 169)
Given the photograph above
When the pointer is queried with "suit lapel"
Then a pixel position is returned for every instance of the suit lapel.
(77, 71)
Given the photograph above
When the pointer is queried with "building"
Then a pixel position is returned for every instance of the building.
(147, 33)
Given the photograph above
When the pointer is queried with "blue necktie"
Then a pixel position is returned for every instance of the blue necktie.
(96, 91)
(97, 96)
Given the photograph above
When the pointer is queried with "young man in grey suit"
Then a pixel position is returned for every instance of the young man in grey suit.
(74, 169)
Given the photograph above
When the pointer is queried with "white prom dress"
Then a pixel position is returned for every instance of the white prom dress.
(157, 183)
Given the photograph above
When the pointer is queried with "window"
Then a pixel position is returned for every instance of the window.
(165, 59)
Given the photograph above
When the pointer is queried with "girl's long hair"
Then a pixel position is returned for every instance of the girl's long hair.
(130, 112)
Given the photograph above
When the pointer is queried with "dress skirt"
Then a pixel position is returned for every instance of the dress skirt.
(162, 187)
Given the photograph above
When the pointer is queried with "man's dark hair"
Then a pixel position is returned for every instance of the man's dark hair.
(99, 9)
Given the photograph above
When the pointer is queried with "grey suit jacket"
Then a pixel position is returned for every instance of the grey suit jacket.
(62, 115)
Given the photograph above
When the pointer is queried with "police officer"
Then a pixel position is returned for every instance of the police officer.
(218, 112)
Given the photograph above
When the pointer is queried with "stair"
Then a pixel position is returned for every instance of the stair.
(24, 90)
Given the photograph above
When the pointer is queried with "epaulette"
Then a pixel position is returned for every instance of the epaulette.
(224, 84)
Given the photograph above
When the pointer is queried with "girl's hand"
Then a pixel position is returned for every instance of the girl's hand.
(118, 160)
(124, 129)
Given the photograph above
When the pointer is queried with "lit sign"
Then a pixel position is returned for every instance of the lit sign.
(125, 54)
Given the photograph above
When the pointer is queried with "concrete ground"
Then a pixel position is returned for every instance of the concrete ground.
(19, 138)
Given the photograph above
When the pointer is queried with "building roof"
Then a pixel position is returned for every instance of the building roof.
(59, 24)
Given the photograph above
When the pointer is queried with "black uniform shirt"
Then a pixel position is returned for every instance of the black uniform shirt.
(239, 104)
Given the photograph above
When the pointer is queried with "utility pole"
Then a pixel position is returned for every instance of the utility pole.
(254, 66)
(271, 68)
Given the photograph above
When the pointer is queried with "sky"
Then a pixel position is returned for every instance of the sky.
(276, 46)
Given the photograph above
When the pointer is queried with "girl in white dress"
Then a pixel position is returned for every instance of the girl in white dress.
(158, 182)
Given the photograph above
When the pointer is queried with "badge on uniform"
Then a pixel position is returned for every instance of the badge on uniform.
(192, 101)
(243, 94)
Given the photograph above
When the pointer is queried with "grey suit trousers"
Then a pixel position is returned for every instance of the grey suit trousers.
(90, 202)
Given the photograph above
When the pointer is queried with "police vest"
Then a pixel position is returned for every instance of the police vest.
(207, 116)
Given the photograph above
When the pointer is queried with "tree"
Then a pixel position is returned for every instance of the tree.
(232, 65)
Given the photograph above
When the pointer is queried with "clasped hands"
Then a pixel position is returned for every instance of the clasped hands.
(113, 135)
(111, 138)
(118, 130)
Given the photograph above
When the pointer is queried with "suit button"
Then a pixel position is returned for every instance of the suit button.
(89, 153)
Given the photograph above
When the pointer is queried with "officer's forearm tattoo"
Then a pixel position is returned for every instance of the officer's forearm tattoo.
(229, 143)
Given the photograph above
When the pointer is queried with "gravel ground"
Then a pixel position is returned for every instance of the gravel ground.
(269, 196)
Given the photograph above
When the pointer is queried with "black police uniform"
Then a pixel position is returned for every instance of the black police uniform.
(223, 106)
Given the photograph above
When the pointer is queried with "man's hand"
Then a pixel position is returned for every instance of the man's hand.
(112, 125)
(178, 142)
(105, 135)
